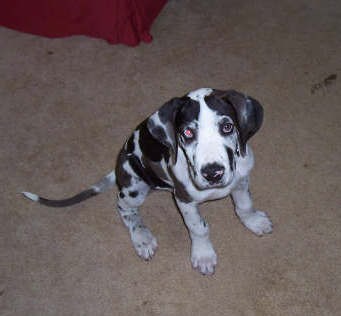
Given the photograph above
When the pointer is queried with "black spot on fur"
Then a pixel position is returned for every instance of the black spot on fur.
(180, 190)
(187, 114)
(130, 144)
(151, 148)
(168, 111)
(231, 158)
(146, 173)
(123, 178)
(203, 222)
(121, 195)
(220, 106)
(237, 151)
(153, 152)
(133, 194)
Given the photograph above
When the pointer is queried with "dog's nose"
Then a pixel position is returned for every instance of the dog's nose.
(213, 172)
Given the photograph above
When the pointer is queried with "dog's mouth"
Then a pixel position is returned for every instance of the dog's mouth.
(204, 185)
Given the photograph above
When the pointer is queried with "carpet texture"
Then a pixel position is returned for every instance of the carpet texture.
(67, 106)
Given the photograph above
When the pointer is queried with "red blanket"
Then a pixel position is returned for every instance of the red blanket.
(117, 21)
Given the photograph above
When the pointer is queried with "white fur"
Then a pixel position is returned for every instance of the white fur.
(156, 119)
(199, 94)
(108, 181)
(256, 221)
(137, 150)
(31, 196)
(111, 176)
(211, 145)
(203, 256)
(144, 242)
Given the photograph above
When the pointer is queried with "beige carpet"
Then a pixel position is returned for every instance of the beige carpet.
(67, 105)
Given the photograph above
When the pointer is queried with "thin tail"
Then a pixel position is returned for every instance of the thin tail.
(104, 184)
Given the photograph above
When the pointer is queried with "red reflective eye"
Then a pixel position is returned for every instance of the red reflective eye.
(188, 133)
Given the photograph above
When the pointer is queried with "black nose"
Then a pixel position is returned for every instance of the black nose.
(213, 172)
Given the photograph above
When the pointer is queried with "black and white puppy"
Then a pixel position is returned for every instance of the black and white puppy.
(196, 147)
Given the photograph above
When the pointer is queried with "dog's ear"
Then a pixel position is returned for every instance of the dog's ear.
(161, 125)
(249, 115)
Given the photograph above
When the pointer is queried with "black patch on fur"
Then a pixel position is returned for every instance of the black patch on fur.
(159, 132)
(180, 190)
(152, 150)
(237, 151)
(169, 110)
(187, 114)
(133, 194)
(231, 158)
(203, 222)
(220, 106)
(130, 144)
(123, 178)
(150, 147)
(121, 195)
(146, 173)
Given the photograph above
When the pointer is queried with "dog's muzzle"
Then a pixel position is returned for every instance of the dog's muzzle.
(213, 173)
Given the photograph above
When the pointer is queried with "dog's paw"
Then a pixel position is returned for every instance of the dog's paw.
(144, 242)
(203, 257)
(259, 223)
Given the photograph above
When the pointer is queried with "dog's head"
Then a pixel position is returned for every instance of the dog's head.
(212, 128)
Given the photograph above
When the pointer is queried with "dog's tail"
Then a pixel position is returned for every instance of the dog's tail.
(104, 184)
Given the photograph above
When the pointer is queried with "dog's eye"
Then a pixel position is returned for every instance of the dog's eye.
(227, 128)
(188, 133)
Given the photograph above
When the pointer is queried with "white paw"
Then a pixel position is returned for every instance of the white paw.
(203, 257)
(144, 242)
(258, 222)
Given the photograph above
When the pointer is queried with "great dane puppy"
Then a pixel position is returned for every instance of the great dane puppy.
(195, 147)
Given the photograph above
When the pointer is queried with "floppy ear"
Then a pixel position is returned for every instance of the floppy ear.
(161, 125)
(249, 115)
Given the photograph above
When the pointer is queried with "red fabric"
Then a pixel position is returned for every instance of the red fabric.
(117, 21)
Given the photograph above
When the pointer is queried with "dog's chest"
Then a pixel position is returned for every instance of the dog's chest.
(210, 194)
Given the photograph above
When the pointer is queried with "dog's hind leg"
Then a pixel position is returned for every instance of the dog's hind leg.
(129, 200)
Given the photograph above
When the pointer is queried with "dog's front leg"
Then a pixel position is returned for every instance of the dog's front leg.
(256, 221)
(203, 256)
(129, 201)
